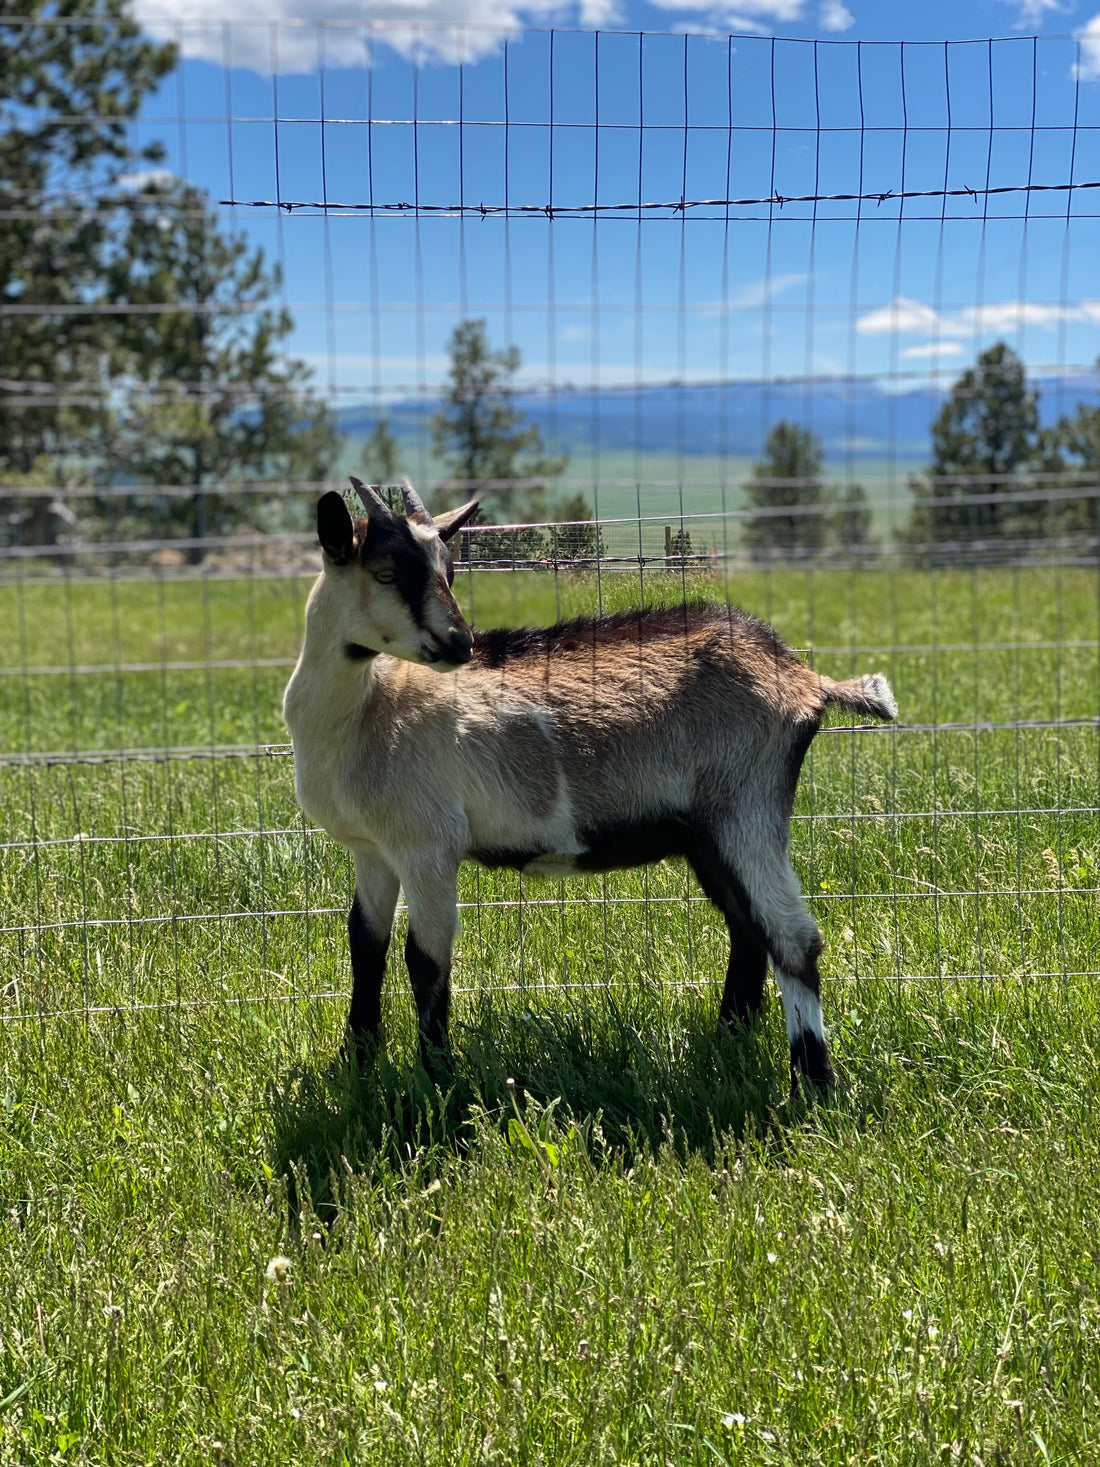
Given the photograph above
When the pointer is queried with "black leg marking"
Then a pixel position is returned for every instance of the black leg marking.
(810, 1057)
(748, 961)
(745, 975)
(368, 968)
(809, 1051)
(431, 986)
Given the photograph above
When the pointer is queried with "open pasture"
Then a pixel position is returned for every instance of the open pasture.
(618, 1239)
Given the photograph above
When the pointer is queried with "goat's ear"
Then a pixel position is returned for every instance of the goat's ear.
(334, 528)
(449, 524)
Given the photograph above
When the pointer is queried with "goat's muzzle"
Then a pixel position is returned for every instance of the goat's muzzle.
(454, 650)
(460, 648)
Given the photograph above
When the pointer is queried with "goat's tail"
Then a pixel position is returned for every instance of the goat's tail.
(870, 694)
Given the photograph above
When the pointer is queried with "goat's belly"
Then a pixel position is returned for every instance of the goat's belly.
(614, 846)
(531, 863)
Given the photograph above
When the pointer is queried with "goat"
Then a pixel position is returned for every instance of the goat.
(594, 745)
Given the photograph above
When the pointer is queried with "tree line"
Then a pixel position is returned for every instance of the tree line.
(997, 478)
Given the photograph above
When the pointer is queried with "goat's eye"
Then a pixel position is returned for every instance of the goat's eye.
(386, 577)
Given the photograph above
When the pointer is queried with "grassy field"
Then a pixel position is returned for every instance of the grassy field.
(618, 1239)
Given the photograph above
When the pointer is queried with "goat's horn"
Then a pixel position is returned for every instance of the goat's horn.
(414, 505)
(372, 500)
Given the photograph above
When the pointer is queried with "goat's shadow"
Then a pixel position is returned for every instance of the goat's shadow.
(625, 1088)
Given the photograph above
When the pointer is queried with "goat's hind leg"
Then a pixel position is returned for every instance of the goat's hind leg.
(776, 908)
(747, 969)
(805, 1026)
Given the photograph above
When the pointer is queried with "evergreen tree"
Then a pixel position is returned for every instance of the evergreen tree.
(74, 78)
(984, 439)
(217, 399)
(480, 434)
(851, 524)
(1079, 437)
(789, 476)
(575, 536)
(1072, 449)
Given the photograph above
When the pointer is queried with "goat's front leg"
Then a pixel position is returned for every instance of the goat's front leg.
(431, 893)
(370, 922)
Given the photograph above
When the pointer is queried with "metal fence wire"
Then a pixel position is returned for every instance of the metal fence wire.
(691, 243)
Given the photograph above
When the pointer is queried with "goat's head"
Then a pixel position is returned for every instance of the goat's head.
(387, 578)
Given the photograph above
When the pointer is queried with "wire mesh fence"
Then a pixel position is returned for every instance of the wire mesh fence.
(689, 243)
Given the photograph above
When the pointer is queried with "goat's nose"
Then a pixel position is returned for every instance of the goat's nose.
(461, 646)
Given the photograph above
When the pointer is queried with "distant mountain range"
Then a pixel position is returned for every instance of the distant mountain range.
(854, 418)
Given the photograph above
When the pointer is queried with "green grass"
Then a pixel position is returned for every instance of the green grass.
(641, 1250)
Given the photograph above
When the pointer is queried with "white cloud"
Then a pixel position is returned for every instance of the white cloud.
(905, 317)
(741, 14)
(1088, 68)
(288, 36)
(902, 316)
(759, 292)
(835, 16)
(933, 350)
(1029, 13)
(1002, 316)
(599, 13)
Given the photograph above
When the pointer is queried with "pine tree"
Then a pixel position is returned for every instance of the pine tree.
(212, 398)
(74, 77)
(789, 476)
(480, 434)
(984, 439)
(575, 537)
(851, 524)
(1079, 437)
(1071, 448)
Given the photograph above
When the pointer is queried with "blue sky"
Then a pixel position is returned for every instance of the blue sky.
(824, 98)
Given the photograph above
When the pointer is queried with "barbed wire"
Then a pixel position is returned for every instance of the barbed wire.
(549, 210)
